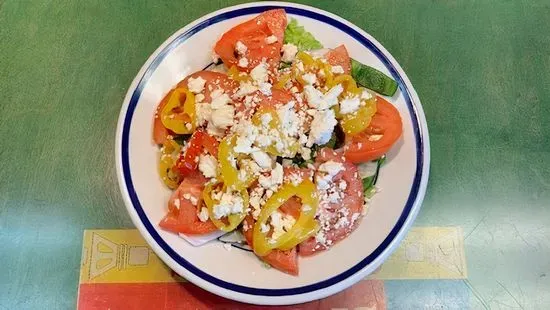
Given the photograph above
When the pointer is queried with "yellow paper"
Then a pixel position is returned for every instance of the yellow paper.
(121, 256)
(427, 253)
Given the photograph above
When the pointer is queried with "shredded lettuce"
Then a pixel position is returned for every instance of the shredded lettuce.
(298, 36)
(369, 182)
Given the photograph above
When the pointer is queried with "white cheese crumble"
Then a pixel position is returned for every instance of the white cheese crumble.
(326, 172)
(295, 179)
(281, 224)
(320, 237)
(342, 222)
(264, 228)
(349, 105)
(222, 117)
(196, 85)
(265, 88)
(271, 39)
(289, 52)
(375, 138)
(208, 165)
(262, 159)
(316, 99)
(337, 69)
(177, 203)
(366, 95)
(259, 73)
(229, 204)
(244, 145)
(306, 153)
(243, 62)
(274, 179)
(219, 100)
(240, 48)
(199, 98)
(310, 78)
(203, 215)
(245, 88)
(215, 57)
(290, 120)
(321, 127)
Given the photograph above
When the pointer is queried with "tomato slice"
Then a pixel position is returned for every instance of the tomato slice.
(339, 57)
(187, 162)
(350, 206)
(384, 130)
(285, 261)
(214, 80)
(253, 34)
(277, 97)
(182, 214)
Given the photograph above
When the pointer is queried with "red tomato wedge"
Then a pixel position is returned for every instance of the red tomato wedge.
(187, 163)
(350, 206)
(285, 261)
(253, 34)
(384, 130)
(214, 80)
(278, 97)
(182, 214)
(339, 57)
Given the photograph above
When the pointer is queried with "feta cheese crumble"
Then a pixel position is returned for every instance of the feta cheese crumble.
(271, 39)
(243, 62)
(229, 204)
(274, 179)
(310, 78)
(337, 69)
(316, 99)
(322, 127)
(289, 52)
(203, 215)
(259, 73)
(240, 48)
(281, 224)
(196, 85)
(262, 159)
(326, 172)
(208, 165)
(349, 105)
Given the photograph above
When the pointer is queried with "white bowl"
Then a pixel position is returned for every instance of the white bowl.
(239, 275)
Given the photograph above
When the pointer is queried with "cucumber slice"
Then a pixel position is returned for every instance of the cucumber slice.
(372, 79)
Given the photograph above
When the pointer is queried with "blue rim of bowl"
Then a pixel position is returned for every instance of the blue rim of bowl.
(262, 291)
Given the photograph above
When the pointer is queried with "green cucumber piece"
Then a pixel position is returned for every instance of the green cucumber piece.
(372, 79)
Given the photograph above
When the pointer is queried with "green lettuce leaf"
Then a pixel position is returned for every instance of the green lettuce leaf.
(298, 36)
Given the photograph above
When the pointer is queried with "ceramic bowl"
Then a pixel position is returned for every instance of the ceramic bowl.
(236, 274)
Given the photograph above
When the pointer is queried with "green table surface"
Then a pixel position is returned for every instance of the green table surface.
(481, 69)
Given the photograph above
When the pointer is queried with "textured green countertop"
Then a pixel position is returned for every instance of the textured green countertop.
(481, 69)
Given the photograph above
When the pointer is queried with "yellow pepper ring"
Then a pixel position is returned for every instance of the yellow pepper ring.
(237, 75)
(233, 219)
(304, 227)
(167, 162)
(291, 146)
(178, 117)
(229, 171)
(353, 124)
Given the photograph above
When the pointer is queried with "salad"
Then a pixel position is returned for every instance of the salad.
(269, 141)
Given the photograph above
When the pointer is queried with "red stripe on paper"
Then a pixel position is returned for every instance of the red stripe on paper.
(184, 295)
